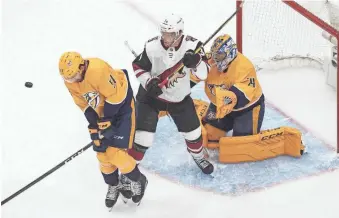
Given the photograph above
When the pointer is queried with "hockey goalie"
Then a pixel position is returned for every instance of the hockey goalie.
(238, 105)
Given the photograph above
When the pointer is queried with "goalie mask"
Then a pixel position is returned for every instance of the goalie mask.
(171, 28)
(223, 51)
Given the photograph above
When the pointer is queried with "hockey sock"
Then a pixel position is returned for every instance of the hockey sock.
(195, 147)
(137, 152)
(134, 175)
(112, 178)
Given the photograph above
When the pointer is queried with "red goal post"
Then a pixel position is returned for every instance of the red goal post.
(296, 16)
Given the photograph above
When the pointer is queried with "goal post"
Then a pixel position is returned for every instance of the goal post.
(317, 44)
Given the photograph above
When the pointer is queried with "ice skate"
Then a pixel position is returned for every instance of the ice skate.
(138, 189)
(125, 188)
(202, 162)
(112, 196)
(131, 189)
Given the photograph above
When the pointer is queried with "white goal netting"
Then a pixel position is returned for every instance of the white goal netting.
(276, 36)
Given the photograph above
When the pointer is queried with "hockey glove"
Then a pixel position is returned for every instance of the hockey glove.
(152, 87)
(191, 60)
(225, 102)
(95, 136)
(107, 130)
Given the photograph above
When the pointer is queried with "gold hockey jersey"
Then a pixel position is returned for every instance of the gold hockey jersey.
(101, 83)
(240, 78)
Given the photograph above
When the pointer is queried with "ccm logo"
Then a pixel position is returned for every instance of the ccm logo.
(118, 137)
(271, 136)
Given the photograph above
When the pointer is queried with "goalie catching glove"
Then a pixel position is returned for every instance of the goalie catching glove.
(225, 102)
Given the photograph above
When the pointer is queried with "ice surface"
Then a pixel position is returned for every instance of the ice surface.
(41, 126)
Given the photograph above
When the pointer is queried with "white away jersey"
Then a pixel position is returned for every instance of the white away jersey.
(156, 61)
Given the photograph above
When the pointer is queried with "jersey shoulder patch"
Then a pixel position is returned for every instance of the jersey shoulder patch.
(190, 38)
(153, 39)
(191, 42)
(152, 44)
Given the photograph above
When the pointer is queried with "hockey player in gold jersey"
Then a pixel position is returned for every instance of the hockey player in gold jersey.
(106, 98)
(232, 86)
(238, 104)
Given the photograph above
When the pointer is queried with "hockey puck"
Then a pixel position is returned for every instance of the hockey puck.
(28, 84)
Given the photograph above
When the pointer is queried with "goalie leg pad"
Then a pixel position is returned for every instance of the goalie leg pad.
(212, 136)
(201, 108)
(267, 144)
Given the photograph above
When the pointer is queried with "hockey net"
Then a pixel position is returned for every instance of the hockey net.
(312, 37)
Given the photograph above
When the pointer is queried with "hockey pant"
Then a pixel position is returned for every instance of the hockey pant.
(114, 158)
(182, 113)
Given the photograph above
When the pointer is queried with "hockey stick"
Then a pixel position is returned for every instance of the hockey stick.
(129, 47)
(46, 174)
(165, 81)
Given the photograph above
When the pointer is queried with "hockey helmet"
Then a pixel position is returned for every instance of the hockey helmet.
(172, 24)
(69, 65)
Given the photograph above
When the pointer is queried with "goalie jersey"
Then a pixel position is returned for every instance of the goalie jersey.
(240, 78)
(156, 61)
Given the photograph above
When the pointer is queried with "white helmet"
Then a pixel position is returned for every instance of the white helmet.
(172, 23)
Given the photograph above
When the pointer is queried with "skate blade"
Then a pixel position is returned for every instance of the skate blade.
(125, 200)
(137, 203)
(110, 209)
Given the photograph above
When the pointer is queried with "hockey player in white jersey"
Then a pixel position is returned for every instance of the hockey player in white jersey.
(160, 57)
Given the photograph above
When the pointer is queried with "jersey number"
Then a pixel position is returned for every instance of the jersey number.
(252, 82)
(112, 81)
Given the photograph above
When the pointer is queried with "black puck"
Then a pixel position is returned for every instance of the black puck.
(28, 84)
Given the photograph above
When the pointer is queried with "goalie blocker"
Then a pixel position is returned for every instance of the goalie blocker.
(267, 144)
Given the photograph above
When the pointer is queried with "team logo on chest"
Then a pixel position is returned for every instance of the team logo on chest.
(174, 79)
(173, 76)
(93, 99)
